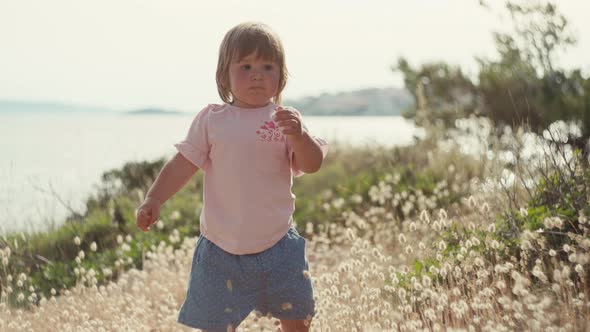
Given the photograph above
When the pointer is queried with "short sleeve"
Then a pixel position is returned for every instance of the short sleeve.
(324, 146)
(196, 147)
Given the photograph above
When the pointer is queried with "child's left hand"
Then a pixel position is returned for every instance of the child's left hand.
(288, 120)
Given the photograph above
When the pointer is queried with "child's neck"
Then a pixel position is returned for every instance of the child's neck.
(245, 105)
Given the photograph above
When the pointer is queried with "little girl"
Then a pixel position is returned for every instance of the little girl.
(249, 256)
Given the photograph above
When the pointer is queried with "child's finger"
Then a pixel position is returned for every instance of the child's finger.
(144, 218)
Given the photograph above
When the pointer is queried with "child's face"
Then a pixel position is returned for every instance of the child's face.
(253, 81)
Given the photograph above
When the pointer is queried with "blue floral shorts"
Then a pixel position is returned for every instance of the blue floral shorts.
(223, 288)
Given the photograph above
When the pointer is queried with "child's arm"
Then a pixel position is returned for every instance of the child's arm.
(307, 151)
(173, 176)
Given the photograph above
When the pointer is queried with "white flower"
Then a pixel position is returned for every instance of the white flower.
(424, 216)
(485, 208)
(93, 246)
(309, 229)
(356, 198)
(558, 222)
(119, 239)
(380, 192)
(426, 281)
(495, 244)
(548, 222)
(401, 293)
(77, 241)
(401, 238)
(471, 202)
(338, 203)
(557, 275)
(107, 272)
(479, 262)
(572, 258)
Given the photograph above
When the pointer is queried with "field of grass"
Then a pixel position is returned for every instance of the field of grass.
(420, 238)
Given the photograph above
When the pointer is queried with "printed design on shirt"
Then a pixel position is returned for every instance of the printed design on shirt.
(270, 132)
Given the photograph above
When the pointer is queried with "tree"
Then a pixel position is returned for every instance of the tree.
(524, 85)
(521, 86)
(448, 93)
(542, 31)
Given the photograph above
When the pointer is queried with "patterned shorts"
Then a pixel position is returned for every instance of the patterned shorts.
(223, 288)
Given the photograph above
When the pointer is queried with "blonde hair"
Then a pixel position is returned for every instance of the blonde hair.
(243, 40)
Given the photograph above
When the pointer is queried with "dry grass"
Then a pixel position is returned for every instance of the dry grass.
(356, 270)
(363, 272)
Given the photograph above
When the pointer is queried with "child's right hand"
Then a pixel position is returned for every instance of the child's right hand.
(147, 213)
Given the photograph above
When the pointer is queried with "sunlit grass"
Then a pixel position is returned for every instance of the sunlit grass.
(399, 254)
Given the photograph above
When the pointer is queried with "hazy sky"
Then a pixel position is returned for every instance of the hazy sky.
(125, 54)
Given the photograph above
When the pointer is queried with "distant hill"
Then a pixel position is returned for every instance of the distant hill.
(154, 111)
(25, 106)
(374, 101)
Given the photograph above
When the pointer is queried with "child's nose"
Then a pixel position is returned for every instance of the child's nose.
(257, 74)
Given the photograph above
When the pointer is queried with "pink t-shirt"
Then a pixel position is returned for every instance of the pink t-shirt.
(248, 164)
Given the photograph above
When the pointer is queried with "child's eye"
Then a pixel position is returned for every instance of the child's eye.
(246, 67)
(268, 67)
